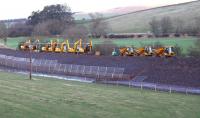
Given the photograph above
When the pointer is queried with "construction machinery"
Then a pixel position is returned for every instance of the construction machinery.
(24, 45)
(52, 46)
(164, 51)
(88, 47)
(78, 47)
(125, 51)
(169, 52)
(70, 49)
(61, 47)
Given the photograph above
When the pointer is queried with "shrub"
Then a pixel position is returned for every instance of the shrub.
(105, 48)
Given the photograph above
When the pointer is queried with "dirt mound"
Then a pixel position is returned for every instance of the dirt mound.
(173, 71)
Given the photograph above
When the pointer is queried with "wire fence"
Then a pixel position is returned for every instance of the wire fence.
(53, 67)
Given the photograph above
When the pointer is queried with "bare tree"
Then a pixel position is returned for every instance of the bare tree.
(98, 27)
(179, 25)
(3, 32)
(40, 30)
(76, 32)
(155, 26)
(197, 24)
(166, 25)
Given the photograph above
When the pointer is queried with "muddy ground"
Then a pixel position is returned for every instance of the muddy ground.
(172, 71)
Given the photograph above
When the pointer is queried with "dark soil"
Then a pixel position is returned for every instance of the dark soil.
(173, 71)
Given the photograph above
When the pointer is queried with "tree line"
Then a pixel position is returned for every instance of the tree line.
(54, 20)
(165, 26)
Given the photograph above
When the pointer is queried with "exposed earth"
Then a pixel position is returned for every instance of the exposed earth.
(172, 71)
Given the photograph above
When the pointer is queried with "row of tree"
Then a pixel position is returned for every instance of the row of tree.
(54, 20)
(166, 25)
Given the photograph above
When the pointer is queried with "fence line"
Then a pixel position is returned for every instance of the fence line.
(53, 67)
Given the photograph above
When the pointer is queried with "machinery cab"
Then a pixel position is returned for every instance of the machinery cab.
(115, 52)
(88, 47)
(52, 46)
(129, 51)
(169, 51)
(148, 51)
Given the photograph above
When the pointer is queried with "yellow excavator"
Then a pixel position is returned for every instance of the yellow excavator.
(52, 46)
(70, 49)
(78, 47)
(61, 47)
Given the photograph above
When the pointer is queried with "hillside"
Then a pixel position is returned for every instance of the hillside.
(111, 12)
(139, 21)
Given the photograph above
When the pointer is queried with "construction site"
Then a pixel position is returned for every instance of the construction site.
(160, 69)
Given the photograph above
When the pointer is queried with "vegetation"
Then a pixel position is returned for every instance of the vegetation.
(195, 50)
(139, 21)
(50, 98)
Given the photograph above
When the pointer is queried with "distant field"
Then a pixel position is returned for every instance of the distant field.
(51, 98)
(139, 21)
(185, 43)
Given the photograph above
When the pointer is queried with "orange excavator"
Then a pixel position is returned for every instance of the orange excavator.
(24, 45)
(125, 51)
(164, 51)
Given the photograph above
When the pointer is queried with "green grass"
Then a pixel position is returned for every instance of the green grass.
(51, 98)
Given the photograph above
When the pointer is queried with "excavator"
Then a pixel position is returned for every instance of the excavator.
(169, 52)
(78, 48)
(24, 45)
(88, 47)
(130, 51)
(70, 49)
(61, 47)
(164, 51)
(144, 51)
(52, 46)
(125, 51)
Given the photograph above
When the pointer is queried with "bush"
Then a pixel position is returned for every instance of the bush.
(195, 51)
(105, 48)
(178, 50)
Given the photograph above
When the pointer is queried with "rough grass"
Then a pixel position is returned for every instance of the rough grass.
(51, 98)
(139, 21)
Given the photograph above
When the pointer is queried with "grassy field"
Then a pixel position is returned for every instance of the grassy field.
(139, 21)
(184, 43)
(51, 98)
